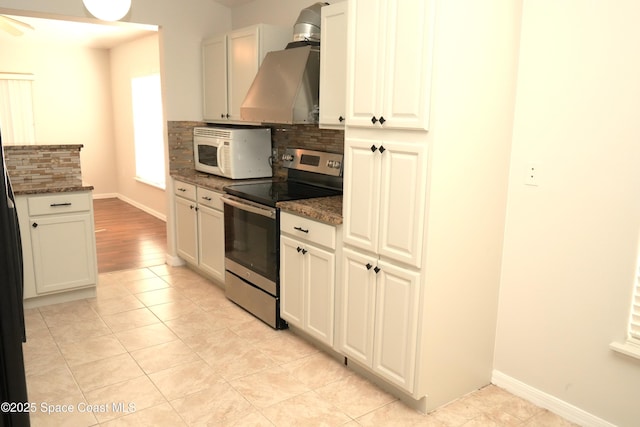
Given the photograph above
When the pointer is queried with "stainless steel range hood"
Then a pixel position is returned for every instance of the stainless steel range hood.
(286, 88)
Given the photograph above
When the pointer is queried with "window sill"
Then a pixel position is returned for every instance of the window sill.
(628, 348)
(152, 184)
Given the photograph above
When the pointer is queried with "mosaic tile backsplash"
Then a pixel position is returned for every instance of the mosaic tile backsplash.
(28, 164)
(283, 136)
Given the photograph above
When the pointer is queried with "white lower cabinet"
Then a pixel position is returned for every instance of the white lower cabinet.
(378, 316)
(200, 228)
(58, 242)
(308, 269)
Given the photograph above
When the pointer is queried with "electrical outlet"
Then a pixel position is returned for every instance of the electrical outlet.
(274, 153)
(531, 174)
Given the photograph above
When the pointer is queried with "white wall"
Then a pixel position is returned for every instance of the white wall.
(570, 248)
(182, 27)
(72, 101)
(129, 60)
(275, 12)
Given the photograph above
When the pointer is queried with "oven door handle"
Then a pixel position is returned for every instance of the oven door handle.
(239, 203)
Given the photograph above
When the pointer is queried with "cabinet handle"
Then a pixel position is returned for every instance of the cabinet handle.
(373, 148)
(341, 119)
(208, 199)
(374, 120)
(369, 266)
(382, 149)
(377, 269)
(34, 225)
(382, 120)
(182, 189)
(301, 229)
(54, 205)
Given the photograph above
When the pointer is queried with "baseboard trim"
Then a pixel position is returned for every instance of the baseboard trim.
(174, 261)
(547, 401)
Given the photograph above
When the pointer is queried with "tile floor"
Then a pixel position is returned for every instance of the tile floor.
(162, 346)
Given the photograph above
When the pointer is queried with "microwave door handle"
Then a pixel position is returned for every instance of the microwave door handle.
(221, 147)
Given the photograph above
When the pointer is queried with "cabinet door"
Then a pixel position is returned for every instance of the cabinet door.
(63, 252)
(243, 63)
(361, 193)
(292, 281)
(319, 293)
(403, 198)
(394, 354)
(186, 230)
(333, 65)
(365, 52)
(211, 241)
(214, 81)
(357, 299)
(407, 75)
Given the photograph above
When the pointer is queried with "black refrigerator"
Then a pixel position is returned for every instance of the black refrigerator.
(13, 387)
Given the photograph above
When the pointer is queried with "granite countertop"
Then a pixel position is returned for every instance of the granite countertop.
(325, 209)
(208, 181)
(56, 186)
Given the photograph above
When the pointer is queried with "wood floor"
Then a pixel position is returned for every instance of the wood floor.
(127, 237)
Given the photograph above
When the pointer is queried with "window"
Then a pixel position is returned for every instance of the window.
(16, 109)
(631, 347)
(147, 130)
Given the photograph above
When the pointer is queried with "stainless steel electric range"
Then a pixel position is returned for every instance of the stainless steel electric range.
(252, 228)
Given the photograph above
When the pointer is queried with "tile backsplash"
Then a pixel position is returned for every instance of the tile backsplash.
(43, 163)
(282, 136)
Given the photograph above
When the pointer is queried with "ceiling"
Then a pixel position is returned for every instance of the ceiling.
(232, 3)
(97, 36)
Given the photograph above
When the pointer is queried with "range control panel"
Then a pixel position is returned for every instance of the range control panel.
(313, 161)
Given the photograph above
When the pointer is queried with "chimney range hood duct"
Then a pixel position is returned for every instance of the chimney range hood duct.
(287, 86)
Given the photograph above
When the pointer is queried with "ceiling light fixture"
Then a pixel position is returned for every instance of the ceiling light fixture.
(108, 10)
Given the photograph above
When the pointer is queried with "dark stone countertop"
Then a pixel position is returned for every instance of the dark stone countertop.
(55, 186)
(324, 209)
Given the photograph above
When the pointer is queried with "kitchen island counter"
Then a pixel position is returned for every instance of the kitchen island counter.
(325, 209)
(58, 186)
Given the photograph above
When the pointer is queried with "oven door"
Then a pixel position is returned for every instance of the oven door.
(252, 242)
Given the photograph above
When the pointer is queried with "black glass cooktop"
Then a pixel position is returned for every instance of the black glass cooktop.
(269, 193)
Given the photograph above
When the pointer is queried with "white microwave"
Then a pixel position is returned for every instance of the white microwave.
(235, 153)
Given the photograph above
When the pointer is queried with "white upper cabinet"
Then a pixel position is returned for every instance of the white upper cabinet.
(389, 66)
(230, 62)
(333, 66)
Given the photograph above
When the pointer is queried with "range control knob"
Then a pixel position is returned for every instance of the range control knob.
(287, 157)
(334, 164)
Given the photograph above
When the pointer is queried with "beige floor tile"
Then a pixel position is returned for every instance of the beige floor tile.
(307, 409)
(520, 408)
(91, 349)
(67, 313)
(130, 319)
(295, 347)
(104, 292)
(195, 323)
(174, 310)
(269, 387)
(160, 296)
(102, 373)
(135, 395)
(236, 361)
(145, 336)
(164, 356)
(52, 414)
(56, 385)
(355, 396)
(41, 353)
(457, 413)
(116, 305)
(156, 416)
(130, 275)
(548, 419)
(253, 419)
(79, 330)
(488, 397)
(254, 330)
(145, 285)
(33, 320)
(397, 413)
(219, 404)
(317, 370)
(184, 379)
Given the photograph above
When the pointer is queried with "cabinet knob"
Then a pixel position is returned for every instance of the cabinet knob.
(222, 115)
(304, 251)
(374, 120)
(369, 266)
(382, 120)
(377, 269)
(382, 149)
(34, 225)
(373, 148)
(228, 115)
(298, 249)
(208, 199)
(341, 119)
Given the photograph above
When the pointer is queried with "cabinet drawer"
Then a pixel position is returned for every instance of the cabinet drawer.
(209, 198)
(59, 203)
(182, 189)
(308, 229)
